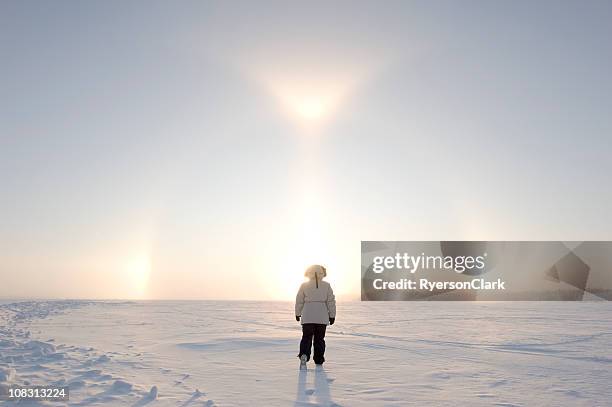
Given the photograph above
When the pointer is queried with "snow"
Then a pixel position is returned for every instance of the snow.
(7, 374)
(214, 353)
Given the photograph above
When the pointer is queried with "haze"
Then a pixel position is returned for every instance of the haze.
(214, 150)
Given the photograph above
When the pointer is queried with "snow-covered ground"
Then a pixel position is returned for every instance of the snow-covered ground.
(244, 353)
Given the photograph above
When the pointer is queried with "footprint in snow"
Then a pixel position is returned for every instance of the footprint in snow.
(441, 376)
(498, 383)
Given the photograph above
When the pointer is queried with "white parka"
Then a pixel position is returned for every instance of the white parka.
(315, 301)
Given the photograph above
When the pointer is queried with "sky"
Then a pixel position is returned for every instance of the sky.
(214, 150)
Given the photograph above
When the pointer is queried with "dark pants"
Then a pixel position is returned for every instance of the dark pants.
(318, 332)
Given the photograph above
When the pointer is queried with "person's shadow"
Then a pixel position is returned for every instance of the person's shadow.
(322, 395)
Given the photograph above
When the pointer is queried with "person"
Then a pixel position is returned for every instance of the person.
(315, 307)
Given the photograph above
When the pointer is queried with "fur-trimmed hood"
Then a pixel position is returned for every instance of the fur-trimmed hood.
(315, 271)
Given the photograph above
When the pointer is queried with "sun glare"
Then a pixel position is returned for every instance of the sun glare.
(311, 108)
(307, 242)
(137, 273)
(289, 272)
(310, 85)
(310, 95)
(311, 105)
(308, 98)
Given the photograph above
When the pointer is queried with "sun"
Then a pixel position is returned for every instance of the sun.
(137, 274)
(300, 249)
